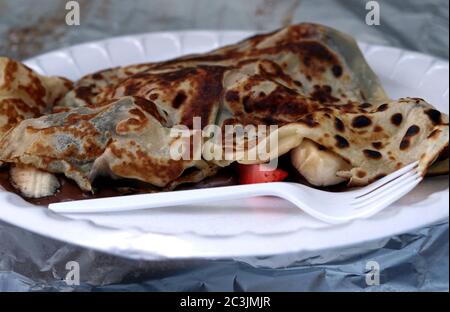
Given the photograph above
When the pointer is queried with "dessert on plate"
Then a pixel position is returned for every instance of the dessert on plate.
(111, 132)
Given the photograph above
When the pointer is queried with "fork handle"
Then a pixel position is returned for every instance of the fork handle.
(166, 199)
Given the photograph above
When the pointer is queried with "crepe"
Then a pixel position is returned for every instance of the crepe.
(374, 143)
(26, 94)
(303, 56)
(310, 81)
(86, 89)
(122, 139)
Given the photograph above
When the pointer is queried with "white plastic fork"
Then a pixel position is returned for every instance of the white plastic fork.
(330, 207)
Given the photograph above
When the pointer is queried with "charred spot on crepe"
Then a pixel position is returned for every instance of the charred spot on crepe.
(179, 99)
(281, 101)
(397, 119)
(274, 71)
(372, 154)
(10, 71)
(323, 94)
(378, 128)
(411, 132)
(361, 174)
(434, 134)
(341, 142)
(365, 105)
(337, 70)
(382, 107)
(232, 96)
(309, 121)
(434, 115)
(339, 125)
(85, 92)
(361, 121)
(377, 145)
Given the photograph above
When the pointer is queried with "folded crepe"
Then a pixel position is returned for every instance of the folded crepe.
(309, 80)
(122, 139)
(25, 94)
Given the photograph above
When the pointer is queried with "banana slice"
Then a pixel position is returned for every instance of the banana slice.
(318, 167)
(32, 182)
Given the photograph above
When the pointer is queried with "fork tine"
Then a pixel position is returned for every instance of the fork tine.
(374, 193)
(390, 198)
(373, 186)
(387, 190)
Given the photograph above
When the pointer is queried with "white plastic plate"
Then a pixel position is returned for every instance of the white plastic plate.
(257, 226)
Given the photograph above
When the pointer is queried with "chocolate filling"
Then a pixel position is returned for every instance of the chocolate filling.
(105, 187)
